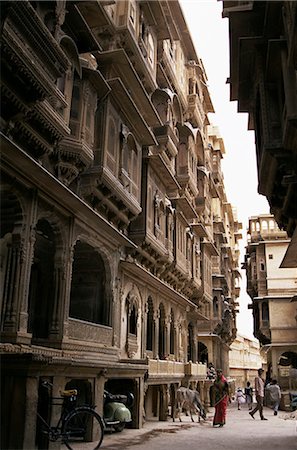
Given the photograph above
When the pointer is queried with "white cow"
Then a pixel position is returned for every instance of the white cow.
(190, 401)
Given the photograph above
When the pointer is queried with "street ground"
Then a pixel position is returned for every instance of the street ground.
(241, 432)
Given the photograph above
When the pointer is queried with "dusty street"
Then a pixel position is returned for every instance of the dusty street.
(241, 432)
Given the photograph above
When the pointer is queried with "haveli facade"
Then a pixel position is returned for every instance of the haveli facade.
(273, 290)
(119, 255)
(263, 65)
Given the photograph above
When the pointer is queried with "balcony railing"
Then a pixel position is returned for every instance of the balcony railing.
(196, 369)
(164, 368)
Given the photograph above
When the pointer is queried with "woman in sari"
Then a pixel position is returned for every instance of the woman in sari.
(221, 399)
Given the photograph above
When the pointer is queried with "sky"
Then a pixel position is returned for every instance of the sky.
(210, 36)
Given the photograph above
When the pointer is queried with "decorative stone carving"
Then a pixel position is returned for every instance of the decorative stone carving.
(131, 345)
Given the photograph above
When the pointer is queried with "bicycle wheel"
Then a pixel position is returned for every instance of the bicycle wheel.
(83, 425)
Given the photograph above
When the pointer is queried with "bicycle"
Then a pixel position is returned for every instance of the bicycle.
(76, 425)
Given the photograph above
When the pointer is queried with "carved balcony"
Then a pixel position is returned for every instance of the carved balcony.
(166, 369)
(198, 370)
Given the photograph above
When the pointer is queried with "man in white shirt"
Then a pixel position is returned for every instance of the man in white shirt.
(259, 391)
(275, 395)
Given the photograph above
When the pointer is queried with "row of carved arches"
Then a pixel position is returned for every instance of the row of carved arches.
(166, 332)
(161, 328)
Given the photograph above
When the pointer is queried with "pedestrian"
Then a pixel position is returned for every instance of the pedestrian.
(221, 399)
(248, 392)
(211, 372)
(275, 394)
(259, 391)
(240, 398)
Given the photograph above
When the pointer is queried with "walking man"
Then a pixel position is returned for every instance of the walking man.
(275, 394)
(259, 391)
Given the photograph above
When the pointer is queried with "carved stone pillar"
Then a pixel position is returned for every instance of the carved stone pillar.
(30, 412)
(156, 335)
(56, 328)
(139, 405)
(27, 256)
(164, 395)
(12, 285)
(207, 399)
(99, 391)
(167, 336)
(65, 306)
(195, 349)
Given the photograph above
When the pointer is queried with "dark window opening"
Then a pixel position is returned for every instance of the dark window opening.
(150, 326)
(162, 351)
(202, 353)
(265, 311)
(74, 113)
(172, 335)
(89, 298)
(133, 321)
(191, 356)
(215, 307)
(41, 292)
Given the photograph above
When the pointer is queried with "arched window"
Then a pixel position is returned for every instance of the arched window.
(150, 49)
(111, 146)
(264, 225)
(202, 353)
(41, 292)
(76, 107)
(12, 219)
(133, 321)
(162, 350)
(172, 334)
(134, 168)
(89, 297)
(288, 359)
(215, 307)
(132, 313)
(191, 356)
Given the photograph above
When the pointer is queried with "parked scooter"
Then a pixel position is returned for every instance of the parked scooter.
(116, 412)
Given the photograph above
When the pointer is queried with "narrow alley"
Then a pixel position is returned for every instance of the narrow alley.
(240, 432)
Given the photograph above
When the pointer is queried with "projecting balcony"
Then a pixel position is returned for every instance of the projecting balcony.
(166, 369)
(174, 369)
(196, 109)
(196, 370)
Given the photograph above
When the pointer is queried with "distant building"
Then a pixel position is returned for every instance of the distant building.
(244, 360)
(273, 292)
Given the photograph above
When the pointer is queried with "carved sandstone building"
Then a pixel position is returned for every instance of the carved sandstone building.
(263, 66)
(273, 291)
(119, 249)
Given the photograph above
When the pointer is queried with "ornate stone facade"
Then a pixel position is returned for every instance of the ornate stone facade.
(263, 65)
(273, 293)
(118, 246)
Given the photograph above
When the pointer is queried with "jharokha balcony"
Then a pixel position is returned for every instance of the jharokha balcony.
(164, 368)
